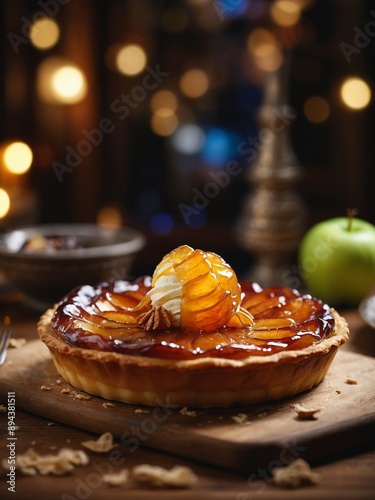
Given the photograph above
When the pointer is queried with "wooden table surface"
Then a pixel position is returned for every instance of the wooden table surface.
(342, 476)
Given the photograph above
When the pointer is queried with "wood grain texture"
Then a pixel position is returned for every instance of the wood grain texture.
(269, 433)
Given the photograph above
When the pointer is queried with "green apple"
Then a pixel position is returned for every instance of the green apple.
(337, 260)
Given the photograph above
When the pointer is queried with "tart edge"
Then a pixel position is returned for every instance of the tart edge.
(204, 382)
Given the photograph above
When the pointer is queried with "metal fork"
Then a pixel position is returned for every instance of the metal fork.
(4, 341)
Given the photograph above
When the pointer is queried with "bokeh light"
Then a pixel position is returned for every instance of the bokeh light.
(164, 122)
(355, 93)
(231, 9)
(60, 82)
(4, 203)
(219, 146)
(162, 223)
(164, 99)
(131, 59)
(69, 84)
(18, 158)
(44, 33)
(316, 109)
(194, 83)
(264, 49)
(286, 12)
(109, 216)
(188, 139)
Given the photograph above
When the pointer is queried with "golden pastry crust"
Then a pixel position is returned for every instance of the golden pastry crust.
(201, 382)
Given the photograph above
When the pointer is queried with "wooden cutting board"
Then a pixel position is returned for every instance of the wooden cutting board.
(242, 439)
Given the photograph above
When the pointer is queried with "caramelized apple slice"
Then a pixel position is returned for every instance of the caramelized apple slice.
(299, 309)
(258, 302)
(273, 323)
(121, 317)
(241, 319)
(213, 340)
(166, 265)
(123, 301)
(202, 285)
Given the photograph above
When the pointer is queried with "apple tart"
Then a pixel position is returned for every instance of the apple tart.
(191, 335)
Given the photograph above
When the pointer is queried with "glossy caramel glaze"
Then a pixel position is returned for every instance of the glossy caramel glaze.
(102, 318)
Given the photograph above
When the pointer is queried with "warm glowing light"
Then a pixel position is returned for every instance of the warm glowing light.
(131, 59)
(164, 99)
(69, 84)
(355, 93)
(286, 12)
(164, 122)
(18, 158)
(59, 81)
(194, 83)
(4, 203)
(110, 217)
(264, 48)
(316, 109)
(44, 33)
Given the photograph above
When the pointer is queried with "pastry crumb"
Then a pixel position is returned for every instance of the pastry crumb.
(15, 343)
(66, 390)
(31, 463)
(189, 413)
(117, 478)
(103, 444)
(109, 405)
(45, 388)
(81, 396)
(297, 474)
(177, 477)
(350, 380)
(338, 391)
(305, 413)
(241, 418)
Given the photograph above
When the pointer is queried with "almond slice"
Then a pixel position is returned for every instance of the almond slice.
(177, 477)
(305, 413)
(101, 445)
(296, 474)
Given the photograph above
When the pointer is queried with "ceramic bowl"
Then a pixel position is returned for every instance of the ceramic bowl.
(46, 276)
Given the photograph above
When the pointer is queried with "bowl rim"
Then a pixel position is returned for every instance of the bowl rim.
(135, 241)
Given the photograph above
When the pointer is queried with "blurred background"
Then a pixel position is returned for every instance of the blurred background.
(127, 112)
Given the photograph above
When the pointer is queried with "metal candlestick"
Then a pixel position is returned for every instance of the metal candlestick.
(273, 218)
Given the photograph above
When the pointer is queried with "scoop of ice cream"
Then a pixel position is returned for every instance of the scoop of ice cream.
(198, 289)
(167, 292)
